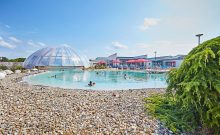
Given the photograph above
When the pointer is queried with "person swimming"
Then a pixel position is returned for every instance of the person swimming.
(54, 76)
(91, 83)
(125, 76)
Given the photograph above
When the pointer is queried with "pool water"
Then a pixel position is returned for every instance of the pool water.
(105, 80)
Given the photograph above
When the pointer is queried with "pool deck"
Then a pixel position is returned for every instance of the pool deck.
(38, 109)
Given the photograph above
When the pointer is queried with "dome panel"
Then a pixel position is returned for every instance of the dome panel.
(56, 57)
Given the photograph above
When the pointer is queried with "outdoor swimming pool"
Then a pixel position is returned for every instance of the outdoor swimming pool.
(105, 80)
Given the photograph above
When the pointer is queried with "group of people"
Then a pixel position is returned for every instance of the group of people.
(54, 76)
(91, 84)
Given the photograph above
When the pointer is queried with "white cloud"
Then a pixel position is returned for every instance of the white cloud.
(35, 44)
(31, 43)
(14, 39)
(148, 22)
(42, 44)
(5, 44)
(7, 26)
(118, 45)
(66, 45)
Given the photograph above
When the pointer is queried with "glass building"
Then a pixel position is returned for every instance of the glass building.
(56, 57)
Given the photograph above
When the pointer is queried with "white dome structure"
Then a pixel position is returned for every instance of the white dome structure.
(55, 57)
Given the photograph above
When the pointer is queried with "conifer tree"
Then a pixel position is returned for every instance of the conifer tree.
(195, 86)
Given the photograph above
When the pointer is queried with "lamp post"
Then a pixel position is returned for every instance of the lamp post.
(155, 58)
(199, 35)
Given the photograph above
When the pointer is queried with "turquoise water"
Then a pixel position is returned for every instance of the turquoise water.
(105, 80)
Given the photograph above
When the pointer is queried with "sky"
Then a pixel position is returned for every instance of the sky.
(103, 27)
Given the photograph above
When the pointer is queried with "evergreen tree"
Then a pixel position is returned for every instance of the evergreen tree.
(196, 84)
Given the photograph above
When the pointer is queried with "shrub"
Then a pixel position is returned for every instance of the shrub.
(196, 84)
(17, 60)
(169, 113)
(193, 91)
(17, 68)
(3, 67)
(4, 59)
(100, 66)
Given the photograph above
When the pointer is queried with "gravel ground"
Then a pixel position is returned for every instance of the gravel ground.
(26, 109)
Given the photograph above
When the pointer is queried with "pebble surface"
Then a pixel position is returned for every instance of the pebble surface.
(27, 109)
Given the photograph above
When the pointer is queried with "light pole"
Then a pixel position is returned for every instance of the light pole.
(155, 58)
(199, 35)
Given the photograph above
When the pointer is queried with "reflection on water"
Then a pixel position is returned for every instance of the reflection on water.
(103, 79)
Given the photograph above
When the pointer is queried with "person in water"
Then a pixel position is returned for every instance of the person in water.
(91, 84)
(54, 76)
(125, 76)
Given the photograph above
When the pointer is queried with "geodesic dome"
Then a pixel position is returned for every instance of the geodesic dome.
(56, 57)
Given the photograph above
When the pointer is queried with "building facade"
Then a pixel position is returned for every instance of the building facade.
(153, 62)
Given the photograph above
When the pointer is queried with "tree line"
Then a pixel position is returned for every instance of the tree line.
(5, 59)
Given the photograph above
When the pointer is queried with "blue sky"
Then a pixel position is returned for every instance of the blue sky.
(102, 27)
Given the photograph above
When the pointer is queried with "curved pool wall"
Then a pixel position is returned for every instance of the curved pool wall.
(105, 80)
